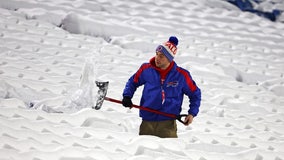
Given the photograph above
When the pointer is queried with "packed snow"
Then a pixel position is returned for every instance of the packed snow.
(53, 51)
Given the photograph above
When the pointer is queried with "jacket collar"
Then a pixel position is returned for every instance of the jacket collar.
(161, 71)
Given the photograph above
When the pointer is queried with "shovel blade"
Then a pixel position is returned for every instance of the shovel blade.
(103, 86)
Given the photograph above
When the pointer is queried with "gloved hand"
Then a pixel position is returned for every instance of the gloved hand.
(126, 102)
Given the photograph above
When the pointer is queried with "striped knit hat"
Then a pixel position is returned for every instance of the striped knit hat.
(169, 48)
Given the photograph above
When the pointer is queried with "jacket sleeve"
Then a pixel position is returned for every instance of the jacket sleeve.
(194, 95)
(134, 82)
(194, 99)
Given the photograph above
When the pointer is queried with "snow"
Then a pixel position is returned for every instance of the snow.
(53, 51)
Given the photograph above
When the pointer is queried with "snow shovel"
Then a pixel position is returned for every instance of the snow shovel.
(103, 86)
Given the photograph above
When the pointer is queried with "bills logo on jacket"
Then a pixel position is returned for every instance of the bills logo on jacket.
(172, 84)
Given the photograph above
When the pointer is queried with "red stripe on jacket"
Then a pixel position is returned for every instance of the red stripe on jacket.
(188, 79)
(139, 72)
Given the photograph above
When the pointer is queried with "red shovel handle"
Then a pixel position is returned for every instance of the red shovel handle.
(178, 117)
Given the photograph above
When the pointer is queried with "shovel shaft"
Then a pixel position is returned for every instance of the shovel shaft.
(178, 117)
(144, 108)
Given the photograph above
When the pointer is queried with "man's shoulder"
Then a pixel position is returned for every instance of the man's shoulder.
(182, 70)
(188, 79)
(145, 65)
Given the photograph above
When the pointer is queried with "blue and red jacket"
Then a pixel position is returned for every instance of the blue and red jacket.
(163, 90)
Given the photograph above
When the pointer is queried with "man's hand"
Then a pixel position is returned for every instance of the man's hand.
(126, 102)
(188, 120)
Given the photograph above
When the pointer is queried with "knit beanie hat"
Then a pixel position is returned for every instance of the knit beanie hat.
(169, 48)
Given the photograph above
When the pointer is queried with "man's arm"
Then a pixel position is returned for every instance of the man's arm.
(134, 82)
(194, 99)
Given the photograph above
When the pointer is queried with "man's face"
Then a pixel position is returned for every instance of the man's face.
(161, 60)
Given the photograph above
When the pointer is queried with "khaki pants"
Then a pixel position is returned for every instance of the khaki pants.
(162, 129)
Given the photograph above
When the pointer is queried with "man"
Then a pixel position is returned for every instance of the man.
(165, 84)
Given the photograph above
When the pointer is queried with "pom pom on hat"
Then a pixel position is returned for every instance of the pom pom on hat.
(174, 40)
(169, 48)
